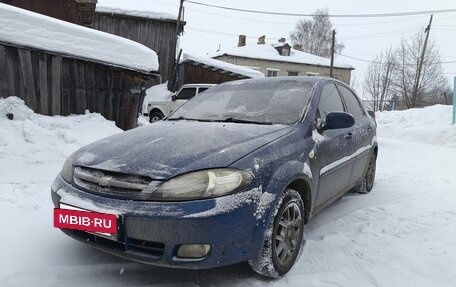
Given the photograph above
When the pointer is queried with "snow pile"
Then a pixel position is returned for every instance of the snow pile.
(135, 13)
(403, 233)
(268, 52)
(156, 93)
(203, 59)
(430, 125)
(30, 137)
(25, 28)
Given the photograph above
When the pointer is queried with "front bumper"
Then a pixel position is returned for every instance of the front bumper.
(151, 232)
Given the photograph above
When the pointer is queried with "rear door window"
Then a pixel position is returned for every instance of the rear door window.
(352, 103)
(202, 90)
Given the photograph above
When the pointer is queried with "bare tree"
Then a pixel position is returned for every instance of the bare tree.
(315, 34)
(418, 89)
(378, 79)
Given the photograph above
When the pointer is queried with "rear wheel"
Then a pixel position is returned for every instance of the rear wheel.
(155, 116)
(366, 185)
(283, 238)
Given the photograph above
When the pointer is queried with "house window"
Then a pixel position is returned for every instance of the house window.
(293, 73)
(311, 74)
(273, 72)
(285, 51)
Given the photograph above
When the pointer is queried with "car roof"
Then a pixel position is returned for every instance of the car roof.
(197, 85)
(309, 79)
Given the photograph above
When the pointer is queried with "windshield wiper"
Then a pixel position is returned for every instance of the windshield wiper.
(181, 118)
(241, 121)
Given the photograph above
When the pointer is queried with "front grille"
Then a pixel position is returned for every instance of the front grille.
(113, 184)
(153, 248)
(130, 244)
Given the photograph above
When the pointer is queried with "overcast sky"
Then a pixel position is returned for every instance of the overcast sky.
(207, 28)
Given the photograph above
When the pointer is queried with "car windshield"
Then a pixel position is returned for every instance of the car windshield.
(260, 102)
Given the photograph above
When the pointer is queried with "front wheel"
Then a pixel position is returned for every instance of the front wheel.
(155, 117)
(283, 238)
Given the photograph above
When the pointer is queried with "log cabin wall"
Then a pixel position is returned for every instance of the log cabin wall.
(53, 84)
(156, 34)
(73, 11)
(196, 73)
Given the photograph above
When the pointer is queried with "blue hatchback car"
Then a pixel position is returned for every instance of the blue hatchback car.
(231, 176)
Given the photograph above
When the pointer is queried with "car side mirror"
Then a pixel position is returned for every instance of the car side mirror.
(173, 98)
(338, 120)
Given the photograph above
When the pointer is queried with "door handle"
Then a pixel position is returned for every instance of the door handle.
(348, 136)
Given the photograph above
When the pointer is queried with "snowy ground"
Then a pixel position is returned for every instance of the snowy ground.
(401, 234)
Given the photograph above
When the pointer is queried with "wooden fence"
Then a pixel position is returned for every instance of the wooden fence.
(53, 84)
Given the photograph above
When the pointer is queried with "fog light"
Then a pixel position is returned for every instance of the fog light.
(193, 250)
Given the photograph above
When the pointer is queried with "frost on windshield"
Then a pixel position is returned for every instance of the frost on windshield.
(275, 102)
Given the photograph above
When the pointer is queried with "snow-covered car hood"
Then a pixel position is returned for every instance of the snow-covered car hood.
(169, 148)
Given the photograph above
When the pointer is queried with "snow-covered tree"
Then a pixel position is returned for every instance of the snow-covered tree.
(315, 34)
(378, 79)
(419, 90)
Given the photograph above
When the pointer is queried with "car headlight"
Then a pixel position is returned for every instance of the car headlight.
(67, 170)
(203, 184)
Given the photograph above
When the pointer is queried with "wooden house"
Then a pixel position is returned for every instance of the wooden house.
(199, 69)
(74, 11)
(61, 69)
(156, 31)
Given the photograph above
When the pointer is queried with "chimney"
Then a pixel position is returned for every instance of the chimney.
(297, 47)
(262, 40)
(241, 41)
(282, 40)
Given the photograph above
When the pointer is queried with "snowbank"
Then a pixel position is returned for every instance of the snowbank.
(36, 138)
(430, 125)
(268, 52)
(25, 28)
(135, 13)
(222, 65)
(403, 233)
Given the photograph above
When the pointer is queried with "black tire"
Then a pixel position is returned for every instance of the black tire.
(366, 185)
(283, 238)
(155, 117)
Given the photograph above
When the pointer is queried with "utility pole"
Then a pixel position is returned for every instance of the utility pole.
(332, 53)
(454, 101)
(173, 80)
(420, 64)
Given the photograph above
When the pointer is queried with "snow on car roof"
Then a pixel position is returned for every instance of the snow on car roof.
(268, 52)
(136, 13)
(24, 28)
(203, 59)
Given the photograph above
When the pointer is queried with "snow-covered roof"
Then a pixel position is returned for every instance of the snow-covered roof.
(206, 60)
(268, 52)
(24, 28)
(136, 13)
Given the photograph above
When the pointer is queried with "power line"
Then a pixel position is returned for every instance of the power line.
(395, 14)
(375, 62)
(383, 34)
(213, 32)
